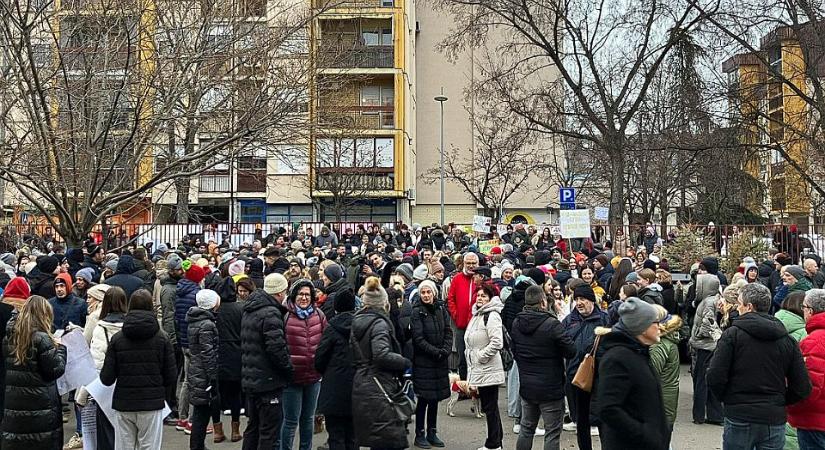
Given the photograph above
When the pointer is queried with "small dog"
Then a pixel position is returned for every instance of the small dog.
(460, 387)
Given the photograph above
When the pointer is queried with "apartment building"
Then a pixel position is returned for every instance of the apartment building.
(770, 113)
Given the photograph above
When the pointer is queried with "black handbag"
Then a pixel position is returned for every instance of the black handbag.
(399, 400)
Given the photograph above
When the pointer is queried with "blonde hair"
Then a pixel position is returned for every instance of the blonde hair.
(35, 315)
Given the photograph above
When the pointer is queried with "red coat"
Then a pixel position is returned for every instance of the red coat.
(809, 414)
(460, 299)
(302, 338)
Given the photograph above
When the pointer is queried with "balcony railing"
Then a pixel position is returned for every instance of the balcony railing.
(332, 4)
(214, 183)
(358, 117)
(341, 179)
(359, 57)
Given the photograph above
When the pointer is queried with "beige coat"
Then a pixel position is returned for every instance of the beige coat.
(483, 344)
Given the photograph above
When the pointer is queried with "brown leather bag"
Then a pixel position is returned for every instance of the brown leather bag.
(587, 369)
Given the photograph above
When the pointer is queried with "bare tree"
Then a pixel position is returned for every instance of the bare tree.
(110, 100)
(606, 55)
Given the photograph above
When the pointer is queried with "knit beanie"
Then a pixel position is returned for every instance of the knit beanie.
(112, 264)
(47, 264)
(174, 262)
(632, 277)
(428, 284)
(275, 283)
(374, 295)
(420, 272)
(636, 315)
(797, 271)
(8, 259)
(436, 266)
(333, 272)
(344, 301)
(87, 273)
(585, 291)
(195, 274)
(406, 270)
(537, 275)
(207, 299)
(97, 291)
(256, 265)
(18, 287)
(236, 268)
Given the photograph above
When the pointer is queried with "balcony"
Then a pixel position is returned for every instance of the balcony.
(333, 4)
(214, 183)
(361, 57)
(351, 181)
(358, 117)
(252, 180)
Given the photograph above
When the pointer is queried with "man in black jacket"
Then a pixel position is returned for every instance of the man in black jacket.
(756, 370)
(265, 365)
(540, 347)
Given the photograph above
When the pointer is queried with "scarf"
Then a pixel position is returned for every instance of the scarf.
(303, 314)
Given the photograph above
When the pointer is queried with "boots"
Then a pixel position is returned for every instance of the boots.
(236, 432)
(219, 436)
(433, 439)
(420, 440)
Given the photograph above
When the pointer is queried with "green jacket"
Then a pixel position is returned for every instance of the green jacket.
(664, 358)
(796, 328)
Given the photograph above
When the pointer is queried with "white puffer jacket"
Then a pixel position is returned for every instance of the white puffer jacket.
(483, 345)
(102, 335)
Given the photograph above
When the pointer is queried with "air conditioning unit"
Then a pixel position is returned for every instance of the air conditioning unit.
(411, 194)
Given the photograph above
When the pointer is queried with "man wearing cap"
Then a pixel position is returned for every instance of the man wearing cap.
(265, 364)
(626, 392)
(756, 371)
(604, 271)
(94, 260)
(539, 348)
(580, 326)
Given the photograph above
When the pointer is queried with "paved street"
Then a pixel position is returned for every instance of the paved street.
(466, 432)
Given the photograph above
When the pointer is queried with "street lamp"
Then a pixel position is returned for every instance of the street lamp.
(441, 99)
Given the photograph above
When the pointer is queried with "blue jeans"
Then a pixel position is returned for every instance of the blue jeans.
(810, 439)
(513, 397)
(299, 402)
(750, 436)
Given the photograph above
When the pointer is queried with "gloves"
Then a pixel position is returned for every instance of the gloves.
(443, 354)
(81, 397)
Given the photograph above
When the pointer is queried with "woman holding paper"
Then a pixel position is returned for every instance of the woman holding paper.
(33, 417)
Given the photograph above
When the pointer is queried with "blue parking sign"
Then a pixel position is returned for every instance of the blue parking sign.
(567, 198)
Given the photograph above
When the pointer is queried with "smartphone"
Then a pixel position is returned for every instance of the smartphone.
(683, 277)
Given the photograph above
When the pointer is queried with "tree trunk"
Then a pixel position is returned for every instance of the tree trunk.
(182, 192)
(617, 164)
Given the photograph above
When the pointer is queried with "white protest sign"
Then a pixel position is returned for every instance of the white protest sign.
(103, 395)
(574, 223)
(80, 366)
(481, 224)
(601, 213)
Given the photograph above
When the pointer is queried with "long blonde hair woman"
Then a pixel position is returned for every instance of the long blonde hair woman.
(34, 360)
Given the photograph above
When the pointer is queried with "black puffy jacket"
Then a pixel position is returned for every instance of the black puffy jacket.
(540, 347)
(515, 303)
(203, 360)
(124, 277)
(332, 291)
(627, 396)
(42, 283)
(230, 315)
(432, 340)
(333, 359)
(33, 417)
(378, 360)
(265, 362)
(142, 361)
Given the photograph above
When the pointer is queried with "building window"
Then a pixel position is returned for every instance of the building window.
(387, 3)
(362, 152)
(253, 211)
(381, 36)
(377, 96)
(288, 213)
(292, 161)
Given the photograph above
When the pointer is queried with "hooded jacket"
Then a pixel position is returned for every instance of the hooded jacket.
(230, 316)
(627, 397)
(757, 370)
(33, 419)
(540, 347)
(514, 303)
(203, 362)
(328, 307)
(809, 414)
(168, 295)
(326, 237)
(706, 329)
(69, 309)
(483, 341)
(102, 336)
(793, 323)
(123, 277)
(652, 294)
(42, 284)
(664, 358)
(333, 360)
(432, 342)
(186, 294)
(142, 361)
(303, 336)
(265, 362)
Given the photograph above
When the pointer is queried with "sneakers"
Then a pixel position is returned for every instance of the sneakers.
(594, 431)
(516, 427)
(74, 443)
(184, 425)
(569, 427)
(540, 432)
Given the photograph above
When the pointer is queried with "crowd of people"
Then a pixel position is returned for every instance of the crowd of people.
(366, 333)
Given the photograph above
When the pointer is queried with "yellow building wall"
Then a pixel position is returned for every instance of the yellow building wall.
(796, 118)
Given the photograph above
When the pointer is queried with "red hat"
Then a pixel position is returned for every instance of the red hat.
(18, 288)
(195, 274)
(495, 250)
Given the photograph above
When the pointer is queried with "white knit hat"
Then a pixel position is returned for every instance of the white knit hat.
(207, 299)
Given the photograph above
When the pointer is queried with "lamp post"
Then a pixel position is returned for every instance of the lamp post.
(441, 99)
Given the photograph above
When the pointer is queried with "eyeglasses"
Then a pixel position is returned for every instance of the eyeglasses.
(303, 294)
(806, 307)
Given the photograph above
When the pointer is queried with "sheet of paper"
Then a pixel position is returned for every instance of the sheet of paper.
(80, 366)
(103, 396)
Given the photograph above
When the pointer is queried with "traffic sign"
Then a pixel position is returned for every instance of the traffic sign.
(567, 198)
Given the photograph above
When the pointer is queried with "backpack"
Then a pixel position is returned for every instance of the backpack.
(506, 351)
